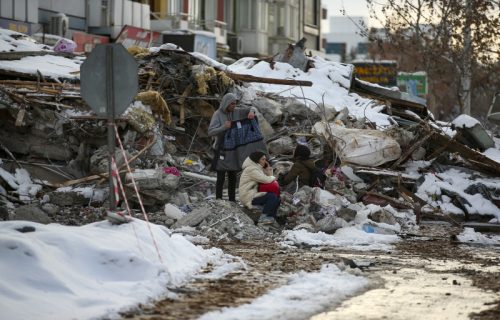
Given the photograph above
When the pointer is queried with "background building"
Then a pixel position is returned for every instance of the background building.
(345, 40)
(218, 28)
(244, 27)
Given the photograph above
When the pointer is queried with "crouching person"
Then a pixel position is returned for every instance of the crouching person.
(256, 170)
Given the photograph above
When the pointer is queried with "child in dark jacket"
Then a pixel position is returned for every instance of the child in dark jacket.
(302, 166)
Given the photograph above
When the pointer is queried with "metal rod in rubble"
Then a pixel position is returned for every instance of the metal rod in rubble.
(110, 107)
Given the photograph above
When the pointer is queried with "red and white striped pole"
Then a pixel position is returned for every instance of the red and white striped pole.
(114, 175)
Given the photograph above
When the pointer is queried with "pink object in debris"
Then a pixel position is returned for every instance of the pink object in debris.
(172, 170)
(65, 45)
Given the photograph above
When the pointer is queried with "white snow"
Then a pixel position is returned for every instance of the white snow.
(14, 41)
(48, 65)
(90, 192)
(305, 295)
(493, 154)
(165, 46)
(331, 83)
(209, 61)
(27, 189)
(456, 181)
(471, 236)
(21, 183)
(348, 237)
(465, 121)
(93, 271)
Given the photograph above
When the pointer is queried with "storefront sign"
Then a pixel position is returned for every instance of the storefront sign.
(382, 73)
(133, 36)
(413, 83)
(15, 26)
(86, 42)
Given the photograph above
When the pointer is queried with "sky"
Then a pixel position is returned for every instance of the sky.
(352, 7)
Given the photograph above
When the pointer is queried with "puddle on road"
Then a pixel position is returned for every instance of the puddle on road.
(423, 291)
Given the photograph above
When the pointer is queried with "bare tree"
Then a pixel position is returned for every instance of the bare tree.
(457, 37)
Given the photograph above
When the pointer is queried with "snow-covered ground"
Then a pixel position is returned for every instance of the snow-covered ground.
(100, 269)
(305, 295)
(353, 237)
(61, 272)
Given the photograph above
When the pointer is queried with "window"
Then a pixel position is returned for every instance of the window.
(311, 8)
(362, 47)
(229, 15)
(294, 22)
(175, 6)
(248, 17)
(244, 14)
(281, 21)
(263, 15)
(335, 48)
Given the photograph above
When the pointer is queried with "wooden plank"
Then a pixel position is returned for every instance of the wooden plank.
(482, 226)
(22, 54)
(20, 117)
(250, 78)
(477, 159)
(181, 100)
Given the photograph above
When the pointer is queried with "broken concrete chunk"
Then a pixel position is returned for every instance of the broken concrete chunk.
(149, 179)
(30, 212)
(281, 146)
(330, 224)
(383, 216)
(296, 108)
(69, 198)
(294, 55)
(193, 218)
(347, 214)
(173, 212)
(270, 109)
(99, 159)
(50, 208)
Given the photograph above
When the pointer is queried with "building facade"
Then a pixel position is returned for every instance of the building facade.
(244, 27)
(236, 28)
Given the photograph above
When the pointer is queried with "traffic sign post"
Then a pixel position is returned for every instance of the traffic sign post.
(109, 82)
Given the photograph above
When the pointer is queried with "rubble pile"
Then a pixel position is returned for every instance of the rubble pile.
(388, 162)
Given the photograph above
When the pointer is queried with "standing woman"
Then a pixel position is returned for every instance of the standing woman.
(221, 121)
(256, 170)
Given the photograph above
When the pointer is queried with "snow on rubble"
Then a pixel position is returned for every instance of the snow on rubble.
(91, 271)
(46, 62)
(48, 65)
(471, 236)
(11, 41)
(331, 82)
(440, 188)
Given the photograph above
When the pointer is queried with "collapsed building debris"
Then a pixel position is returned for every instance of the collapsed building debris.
(383, 153)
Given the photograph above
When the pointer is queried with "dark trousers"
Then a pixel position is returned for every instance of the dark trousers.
(231, 184)
(270, 202)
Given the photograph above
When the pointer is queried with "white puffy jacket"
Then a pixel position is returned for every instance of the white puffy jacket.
(252, 175)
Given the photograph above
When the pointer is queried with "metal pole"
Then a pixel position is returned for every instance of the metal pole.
(110, 107)
(467, 65)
